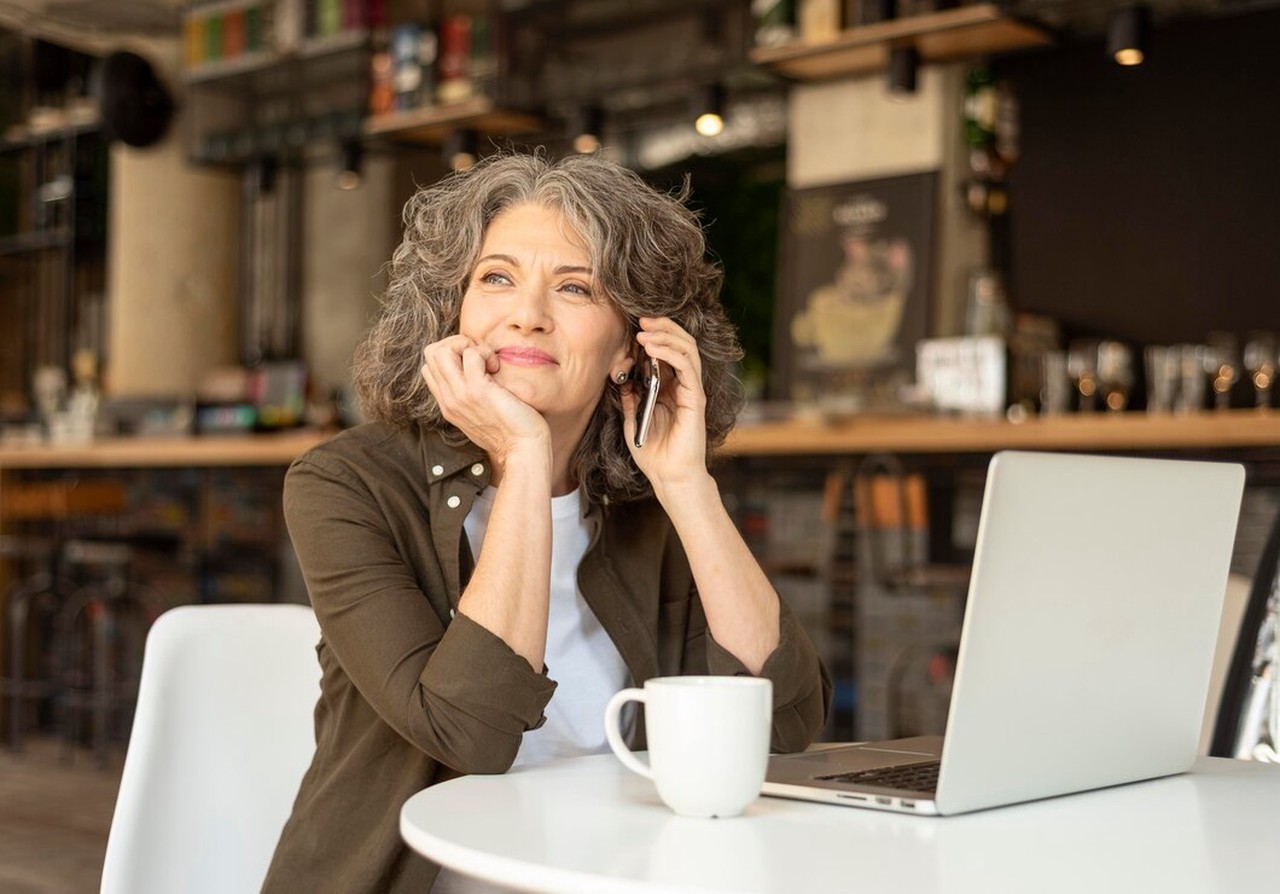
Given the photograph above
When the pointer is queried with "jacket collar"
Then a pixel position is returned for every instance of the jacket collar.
(442, 461)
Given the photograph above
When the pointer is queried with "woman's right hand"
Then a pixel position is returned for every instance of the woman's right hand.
(459, 373)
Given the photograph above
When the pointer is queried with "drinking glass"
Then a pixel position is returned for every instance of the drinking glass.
(1082, 366)
(1260, 360)
(1055, 385)
(1115, 374)
(1164, 369)
(1222, 363)
(1192, 361)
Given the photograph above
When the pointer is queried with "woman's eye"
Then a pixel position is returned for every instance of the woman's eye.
(577, 289)
(495, 279)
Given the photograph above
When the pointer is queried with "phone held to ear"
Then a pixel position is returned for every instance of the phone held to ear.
(650, 382)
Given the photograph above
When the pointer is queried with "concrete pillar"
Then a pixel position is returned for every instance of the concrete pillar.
(172, 270)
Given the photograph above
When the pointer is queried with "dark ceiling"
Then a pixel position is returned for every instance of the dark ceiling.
(155, 18)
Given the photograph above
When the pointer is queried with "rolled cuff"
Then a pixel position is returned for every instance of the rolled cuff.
(485, 694)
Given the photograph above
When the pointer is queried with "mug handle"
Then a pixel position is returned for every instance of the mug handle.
(612, 716)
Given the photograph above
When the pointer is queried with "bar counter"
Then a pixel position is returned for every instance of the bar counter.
(1130, 431)
(164, 452)
(1230, 430)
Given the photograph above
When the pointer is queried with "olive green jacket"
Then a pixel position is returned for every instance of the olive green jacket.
(412, 694)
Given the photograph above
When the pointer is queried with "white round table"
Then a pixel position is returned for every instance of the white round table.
(588, 825)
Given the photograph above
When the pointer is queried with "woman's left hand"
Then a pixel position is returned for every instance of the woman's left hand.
(675, 451)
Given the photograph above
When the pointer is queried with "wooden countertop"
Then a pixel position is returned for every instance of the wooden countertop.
(906, 434)
(156, 452)
(931, 434)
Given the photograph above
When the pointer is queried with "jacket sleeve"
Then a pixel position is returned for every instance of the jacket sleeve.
(801, 684)
(457, 692)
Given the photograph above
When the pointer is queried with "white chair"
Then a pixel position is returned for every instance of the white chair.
(221, 738)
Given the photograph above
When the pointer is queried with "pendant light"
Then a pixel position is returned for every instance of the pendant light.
(901, 78)
(1129, 33)
(709, 107)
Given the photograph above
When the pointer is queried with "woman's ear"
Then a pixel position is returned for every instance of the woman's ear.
(622, 371)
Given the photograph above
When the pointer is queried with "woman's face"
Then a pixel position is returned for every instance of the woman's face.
(532, 299)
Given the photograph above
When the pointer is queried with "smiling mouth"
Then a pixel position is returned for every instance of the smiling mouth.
(525, 357)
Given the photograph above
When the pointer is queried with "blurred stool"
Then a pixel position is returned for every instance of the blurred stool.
(80, 617)
(37, 515)
(32, 604)
(908, 610)
(102, 627)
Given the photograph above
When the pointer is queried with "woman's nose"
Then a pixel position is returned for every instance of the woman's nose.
(530, 308)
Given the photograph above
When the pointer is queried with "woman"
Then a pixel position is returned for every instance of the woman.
(493, 557)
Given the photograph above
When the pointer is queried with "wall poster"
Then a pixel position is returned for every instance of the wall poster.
(855, 291)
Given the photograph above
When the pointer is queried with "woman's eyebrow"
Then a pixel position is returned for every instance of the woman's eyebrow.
(508, 259)
(558, 271)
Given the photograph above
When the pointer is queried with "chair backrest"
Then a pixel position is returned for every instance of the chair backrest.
(1239, 690)
(222, 736)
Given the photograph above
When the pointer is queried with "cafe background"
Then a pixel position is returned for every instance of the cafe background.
(197, 200)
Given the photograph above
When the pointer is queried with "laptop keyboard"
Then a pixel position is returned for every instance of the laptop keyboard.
(913, 777)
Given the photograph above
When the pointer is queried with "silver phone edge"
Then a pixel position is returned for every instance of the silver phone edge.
(646, 412)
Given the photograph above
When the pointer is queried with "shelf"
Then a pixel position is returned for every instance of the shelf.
(231, 68)
(166, 452)
(311, 52)
(1233, 429)
(433, 124)
(938, 37)
(26, 243)
(915, 434)
(20, 136)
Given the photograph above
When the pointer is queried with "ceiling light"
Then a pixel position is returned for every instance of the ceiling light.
(262, 173)
(1129, 33)
(709, 108)
(901, 78)
(352, 158)
(588, 130)
(462, 149)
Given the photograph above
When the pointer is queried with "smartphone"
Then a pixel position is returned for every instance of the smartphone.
(650, 381)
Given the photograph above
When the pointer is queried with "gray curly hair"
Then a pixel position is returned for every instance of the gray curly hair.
(649, 256)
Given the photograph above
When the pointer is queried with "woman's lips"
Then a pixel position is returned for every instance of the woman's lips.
(518, 356)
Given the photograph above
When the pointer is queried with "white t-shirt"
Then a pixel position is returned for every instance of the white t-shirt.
(580, 657)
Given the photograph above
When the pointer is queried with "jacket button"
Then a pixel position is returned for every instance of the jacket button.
(477, 469)
(437, 470)
(453, 502)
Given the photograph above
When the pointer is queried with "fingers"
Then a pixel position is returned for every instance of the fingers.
(450, 356)
(453, 368)
(664, 340)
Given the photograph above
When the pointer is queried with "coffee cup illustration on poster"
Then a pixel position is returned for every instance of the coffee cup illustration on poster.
(855, 289)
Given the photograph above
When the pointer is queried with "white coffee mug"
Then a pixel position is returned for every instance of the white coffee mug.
(708, 740)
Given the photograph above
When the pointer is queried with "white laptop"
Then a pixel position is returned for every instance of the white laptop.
(1088, 638)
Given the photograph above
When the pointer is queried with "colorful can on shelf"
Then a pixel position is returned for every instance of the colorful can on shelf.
(212, 38)
(233, 36)
(253, 37)
(455, 60)
(193, 40)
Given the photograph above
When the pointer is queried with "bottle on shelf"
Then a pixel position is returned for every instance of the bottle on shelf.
(819, 20)
(454, 65)
(868, 12)
(988, 310)
(413, 58)
(775, 22)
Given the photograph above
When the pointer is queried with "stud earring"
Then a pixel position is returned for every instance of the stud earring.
(620, 377)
